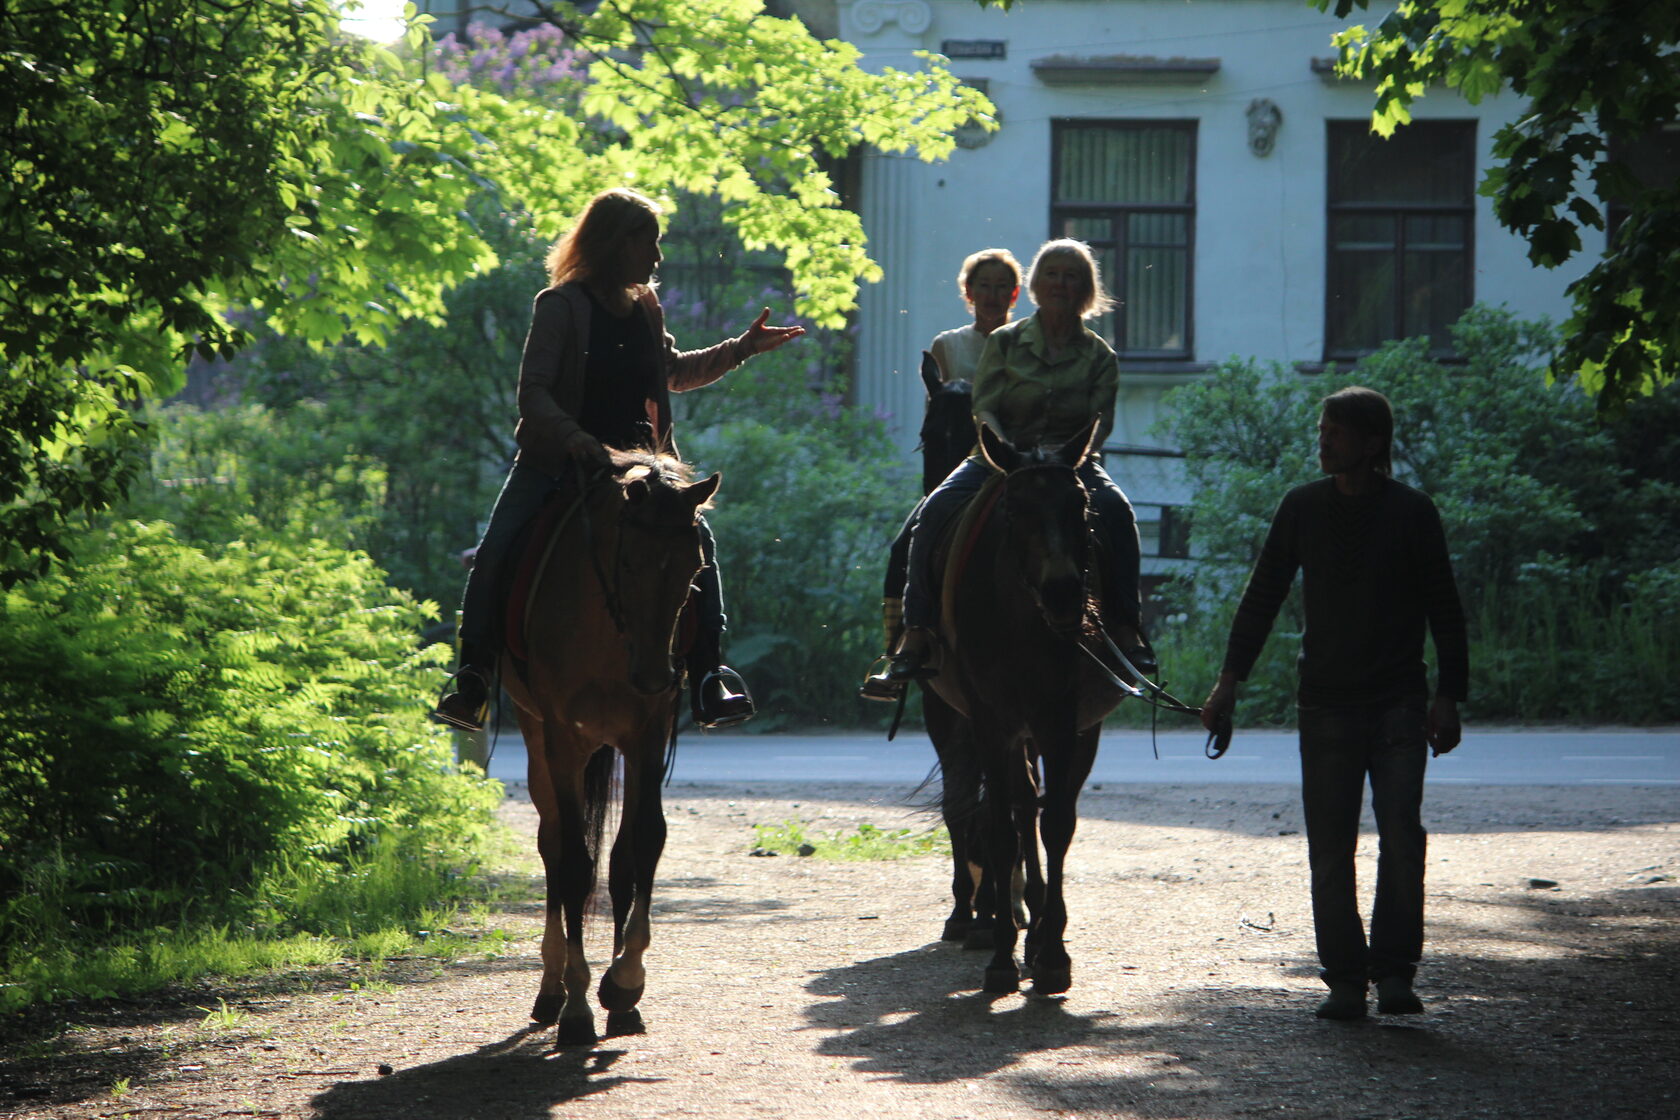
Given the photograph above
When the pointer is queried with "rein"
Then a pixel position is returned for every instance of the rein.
(1157, 697)
(609, 589)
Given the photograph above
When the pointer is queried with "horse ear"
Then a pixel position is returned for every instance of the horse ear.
(998, 451)
(636, 491)
(1073, 452)
(930, 373)
(699, 493)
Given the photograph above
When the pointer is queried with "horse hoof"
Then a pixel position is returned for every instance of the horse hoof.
(1006, 979)
(546, 1009)
(577, 1032)
(615, 998)
(956, 929)
(979, 937)
(1052, 981)
(625, 1022)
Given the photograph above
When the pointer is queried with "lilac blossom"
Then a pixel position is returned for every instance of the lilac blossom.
(529, 63)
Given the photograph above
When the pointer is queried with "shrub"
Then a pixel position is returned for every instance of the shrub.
(181, 725)
(803, 520)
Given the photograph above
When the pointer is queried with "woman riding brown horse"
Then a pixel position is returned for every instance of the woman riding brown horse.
(598, 370)
(599, 676)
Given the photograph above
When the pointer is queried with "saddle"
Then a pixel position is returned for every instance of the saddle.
(528, 558)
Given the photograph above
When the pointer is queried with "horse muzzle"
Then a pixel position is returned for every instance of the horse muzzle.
(1062, 603)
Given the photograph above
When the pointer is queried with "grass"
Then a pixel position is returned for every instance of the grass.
(866, 842)
(384, 905)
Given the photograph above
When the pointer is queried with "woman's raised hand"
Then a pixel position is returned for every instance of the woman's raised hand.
(761, 338)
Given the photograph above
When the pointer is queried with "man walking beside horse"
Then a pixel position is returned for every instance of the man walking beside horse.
(1374, 572)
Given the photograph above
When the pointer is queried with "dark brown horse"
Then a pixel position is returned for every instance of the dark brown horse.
(600, 677)
(1034, 698)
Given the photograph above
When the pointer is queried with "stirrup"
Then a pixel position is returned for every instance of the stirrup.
(733, 704)
(905, 667)
(456, 709)
(878, 686)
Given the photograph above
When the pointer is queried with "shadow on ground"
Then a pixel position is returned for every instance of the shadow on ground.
(523, 1077)
(1575, 1017)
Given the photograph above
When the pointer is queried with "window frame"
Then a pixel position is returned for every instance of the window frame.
(1117, 212)
(1400, 213)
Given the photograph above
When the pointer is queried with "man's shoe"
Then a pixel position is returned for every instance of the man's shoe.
(1395, 997)
(721, 699)
(465, 707)
(1345, 1001)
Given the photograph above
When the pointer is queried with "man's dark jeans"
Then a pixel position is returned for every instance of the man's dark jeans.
(1339, 747)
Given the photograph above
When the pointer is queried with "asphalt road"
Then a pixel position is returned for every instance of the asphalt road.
(1503, 756)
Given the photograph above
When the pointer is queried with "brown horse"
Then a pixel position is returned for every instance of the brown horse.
(600, 674)
(1014, 666)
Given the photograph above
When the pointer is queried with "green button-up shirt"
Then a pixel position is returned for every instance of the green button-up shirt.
(1038, 400)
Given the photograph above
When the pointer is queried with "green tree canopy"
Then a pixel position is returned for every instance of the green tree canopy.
(171, 168)
(1600, 76)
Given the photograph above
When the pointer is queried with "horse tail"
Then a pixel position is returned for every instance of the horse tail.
(600, 791)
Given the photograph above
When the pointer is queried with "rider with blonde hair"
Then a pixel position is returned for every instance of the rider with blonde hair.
(1041, 380)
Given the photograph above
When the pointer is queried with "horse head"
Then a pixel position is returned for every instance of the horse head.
(947, 425)
(1046, 521)
(656, 553)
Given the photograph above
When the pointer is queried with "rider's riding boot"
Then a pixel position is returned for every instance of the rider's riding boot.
(1395, 997)
(467, 702)
(718, 696)
(1128, 637)
(914, 660)
(876, 686)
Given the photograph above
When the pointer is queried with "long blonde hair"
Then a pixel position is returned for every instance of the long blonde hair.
(587, 250)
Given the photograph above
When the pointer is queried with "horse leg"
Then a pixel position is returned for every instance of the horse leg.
(959, 803)
(556, 772)
(552, 992)
(1003, 849)
(1026, 895)
(641, 835)
(1065, 771)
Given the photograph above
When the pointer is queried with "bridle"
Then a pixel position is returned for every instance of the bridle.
(1085, 528)
(1146, 690)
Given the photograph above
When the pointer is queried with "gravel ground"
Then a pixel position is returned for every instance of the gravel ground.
(793, 988)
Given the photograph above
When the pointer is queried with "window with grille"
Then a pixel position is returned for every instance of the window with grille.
(1400, 254)
(1128, 189)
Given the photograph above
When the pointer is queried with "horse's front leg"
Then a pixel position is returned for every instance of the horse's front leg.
(640, 843)
(1065, 771)
(1003, 850)
(557, 763)
(959, 804)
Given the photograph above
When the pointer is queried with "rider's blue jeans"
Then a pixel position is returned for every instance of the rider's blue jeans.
(1114, 520)
(1340, 748)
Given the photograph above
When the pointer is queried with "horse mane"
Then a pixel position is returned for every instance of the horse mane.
(947, 433)
(664, 471)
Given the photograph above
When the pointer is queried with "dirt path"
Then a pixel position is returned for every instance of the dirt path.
(798, 988)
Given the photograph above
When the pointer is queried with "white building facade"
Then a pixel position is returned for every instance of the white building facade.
(1237, 201)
